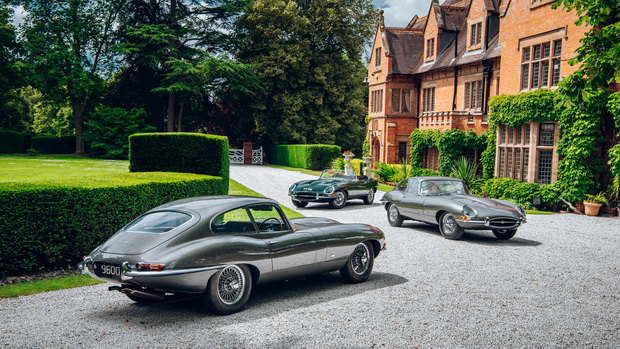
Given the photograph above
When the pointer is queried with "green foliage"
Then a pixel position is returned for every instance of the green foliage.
(451, 145)
(597, 57)
(68, 50)
(11, 106)
(519, 192)
(394, 173)
(49, 224)
(180, 152)
(48, 144)
(11, 142)
(108, 129)
(466, 170)
(515, 110)
(309, 156)
(599, 198)
(309, 53)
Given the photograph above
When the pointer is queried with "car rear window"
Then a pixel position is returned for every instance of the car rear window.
(158, 222)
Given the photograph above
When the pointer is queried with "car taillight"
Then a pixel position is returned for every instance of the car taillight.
(150, 266)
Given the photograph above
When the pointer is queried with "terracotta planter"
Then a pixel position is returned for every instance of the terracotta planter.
(591, 209)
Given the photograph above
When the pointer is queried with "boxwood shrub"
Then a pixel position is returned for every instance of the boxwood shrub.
(180, 152)
(52, 225)
(11, 142)
(521, 193)
(308, 156)
(50, 144)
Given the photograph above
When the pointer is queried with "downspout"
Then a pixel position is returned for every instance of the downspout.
(456, 70)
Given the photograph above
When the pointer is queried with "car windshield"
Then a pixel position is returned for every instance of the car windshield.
(442, 187)
(158, 222)
(340, 174)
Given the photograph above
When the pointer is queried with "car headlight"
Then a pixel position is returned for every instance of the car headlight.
(468, 211)
(292, 187)
(329, 189)
(521, 210)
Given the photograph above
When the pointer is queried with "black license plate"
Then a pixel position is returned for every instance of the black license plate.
(106, 270)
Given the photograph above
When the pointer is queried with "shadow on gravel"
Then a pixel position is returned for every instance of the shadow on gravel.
(266, 300)
(324, 206)
(480, 237)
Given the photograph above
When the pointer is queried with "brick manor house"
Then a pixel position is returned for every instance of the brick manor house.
(439, 71)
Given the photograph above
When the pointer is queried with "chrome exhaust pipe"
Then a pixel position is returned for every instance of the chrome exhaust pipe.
(146, 294)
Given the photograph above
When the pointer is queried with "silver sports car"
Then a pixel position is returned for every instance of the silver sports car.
(447, 202)
(219, 247)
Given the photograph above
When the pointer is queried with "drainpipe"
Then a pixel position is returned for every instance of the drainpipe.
(456, 69)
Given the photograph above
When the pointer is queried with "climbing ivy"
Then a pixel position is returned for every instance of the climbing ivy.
(450, 144)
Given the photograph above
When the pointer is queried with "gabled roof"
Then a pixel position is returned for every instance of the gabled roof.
(404, 46)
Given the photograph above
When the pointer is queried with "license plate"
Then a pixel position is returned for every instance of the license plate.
(112, 271)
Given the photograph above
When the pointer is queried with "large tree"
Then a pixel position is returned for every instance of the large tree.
(11, 105)
(68, 46)
(310, 54)
(184, 44)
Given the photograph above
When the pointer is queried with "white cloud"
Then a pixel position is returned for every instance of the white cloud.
(398, 13)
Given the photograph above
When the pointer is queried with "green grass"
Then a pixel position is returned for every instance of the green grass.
(26, 288)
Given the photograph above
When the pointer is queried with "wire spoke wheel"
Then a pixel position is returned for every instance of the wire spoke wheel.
(231, 285)
(360, 259)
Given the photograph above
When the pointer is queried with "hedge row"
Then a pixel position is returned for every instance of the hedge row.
(15, 142)
(51, 225)
(521, 193)
(308, 156)
(180, 152)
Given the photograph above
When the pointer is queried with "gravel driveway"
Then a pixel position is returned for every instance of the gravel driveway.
(555, 284)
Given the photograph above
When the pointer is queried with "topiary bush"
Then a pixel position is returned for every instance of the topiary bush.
(50, 225)
(11, 142)
(180, 152)
(521, 193)
(308, 156)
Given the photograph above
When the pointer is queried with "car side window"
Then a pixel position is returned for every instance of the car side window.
(237, 221)
(268, 218)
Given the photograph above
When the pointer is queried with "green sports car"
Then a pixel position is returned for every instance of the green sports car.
(334, 187)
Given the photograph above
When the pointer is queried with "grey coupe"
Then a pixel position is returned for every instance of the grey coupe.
(447, 202)
(219, 247)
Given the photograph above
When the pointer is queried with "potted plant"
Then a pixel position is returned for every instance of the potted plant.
(348, 155)
(593, 203)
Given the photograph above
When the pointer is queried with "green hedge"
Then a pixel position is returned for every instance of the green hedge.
(11, 142)
(53, 224)
(49, 144)
(308, 156)
(521, 193)
(180, 152)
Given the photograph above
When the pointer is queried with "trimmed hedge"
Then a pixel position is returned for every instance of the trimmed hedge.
(11, 142)
(49, 144)
(53, 224)
(180, 152)
(519, 192)
(308, 156)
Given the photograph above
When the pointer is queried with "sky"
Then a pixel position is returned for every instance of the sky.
(398, 13)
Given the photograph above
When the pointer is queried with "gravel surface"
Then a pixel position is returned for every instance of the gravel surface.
(555, 284)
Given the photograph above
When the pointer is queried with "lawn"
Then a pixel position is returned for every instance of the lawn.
(23, 168)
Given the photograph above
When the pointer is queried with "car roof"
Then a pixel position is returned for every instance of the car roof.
(219, 203)
(436, 178)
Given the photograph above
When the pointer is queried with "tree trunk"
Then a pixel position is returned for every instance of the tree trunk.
(171, 107)
(78, 119)
(180, 116)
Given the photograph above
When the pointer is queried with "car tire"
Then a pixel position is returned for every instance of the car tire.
(368, 199)
(228, 290)
(504, 234)
(340, 201)
(299, 203)
(360, 264)
(449, 228)
(394, 217)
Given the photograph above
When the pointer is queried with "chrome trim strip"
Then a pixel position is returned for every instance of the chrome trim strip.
(134, 273)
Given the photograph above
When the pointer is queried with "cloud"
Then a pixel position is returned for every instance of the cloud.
(398, 13)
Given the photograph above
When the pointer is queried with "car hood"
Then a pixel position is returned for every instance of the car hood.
(318, 184)
(485, 206)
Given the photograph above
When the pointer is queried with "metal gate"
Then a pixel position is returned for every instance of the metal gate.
(237, 155)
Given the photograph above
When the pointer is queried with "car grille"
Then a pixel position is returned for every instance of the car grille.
(503, 222)
(307, 196)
